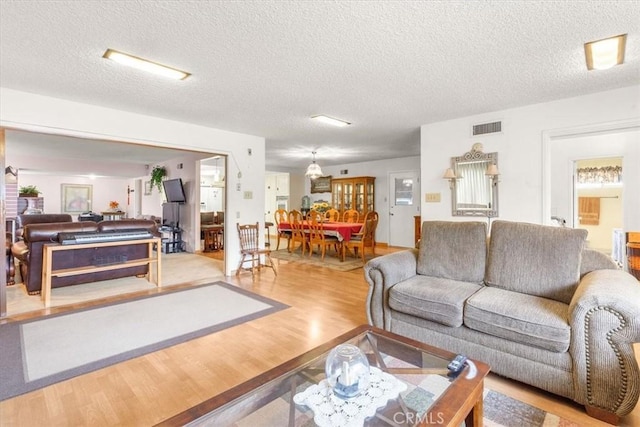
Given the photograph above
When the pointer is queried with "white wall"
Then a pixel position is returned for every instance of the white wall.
(379, 169)
(104, 190)
(27, 111)
(520, 151)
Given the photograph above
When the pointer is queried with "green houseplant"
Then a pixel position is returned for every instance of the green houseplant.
(29, 191)
(157, 175)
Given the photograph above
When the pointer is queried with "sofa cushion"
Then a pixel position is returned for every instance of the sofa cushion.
(453, 250)
(535, 259)
(518, 317)
(432, 298)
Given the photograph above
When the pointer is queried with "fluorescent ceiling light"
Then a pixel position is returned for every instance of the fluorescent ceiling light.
(605, 53)
(330, 120)
(143, 64)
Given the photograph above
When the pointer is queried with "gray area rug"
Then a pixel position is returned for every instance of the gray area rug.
(43, 351)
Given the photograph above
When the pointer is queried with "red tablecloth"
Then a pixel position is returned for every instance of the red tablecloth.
(341, 230)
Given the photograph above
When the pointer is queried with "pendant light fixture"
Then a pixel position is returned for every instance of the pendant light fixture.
(313, 170)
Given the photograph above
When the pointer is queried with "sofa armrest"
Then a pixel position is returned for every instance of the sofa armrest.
(382, 273)
(604, 316)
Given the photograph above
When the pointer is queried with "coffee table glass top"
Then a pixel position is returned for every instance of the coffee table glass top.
(267, 399)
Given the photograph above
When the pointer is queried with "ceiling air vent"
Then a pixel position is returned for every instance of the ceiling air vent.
(486, 128)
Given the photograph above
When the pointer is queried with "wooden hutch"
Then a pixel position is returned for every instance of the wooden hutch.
(353, 193)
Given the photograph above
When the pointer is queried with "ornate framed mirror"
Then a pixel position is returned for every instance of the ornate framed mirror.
(474, 189)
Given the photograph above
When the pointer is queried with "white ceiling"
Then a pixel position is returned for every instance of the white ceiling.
(264, 67)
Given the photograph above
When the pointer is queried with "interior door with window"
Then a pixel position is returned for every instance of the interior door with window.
(404, 204)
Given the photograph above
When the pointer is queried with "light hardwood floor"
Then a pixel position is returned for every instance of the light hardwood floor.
(146, 390)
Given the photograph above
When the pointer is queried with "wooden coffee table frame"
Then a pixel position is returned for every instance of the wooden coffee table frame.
(47, 262)
(461, 401)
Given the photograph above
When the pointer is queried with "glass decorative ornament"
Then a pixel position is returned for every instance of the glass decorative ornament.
(347, 370)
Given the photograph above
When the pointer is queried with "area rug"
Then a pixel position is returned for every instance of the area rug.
(330, 259)
(499, 410)
(503, 411)
(40, 352)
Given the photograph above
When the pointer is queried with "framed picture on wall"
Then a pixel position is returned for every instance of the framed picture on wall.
(321, 184)
(76, 198)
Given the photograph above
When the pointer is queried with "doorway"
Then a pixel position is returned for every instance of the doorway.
(404, 204)
(212, 203)
(598, 203)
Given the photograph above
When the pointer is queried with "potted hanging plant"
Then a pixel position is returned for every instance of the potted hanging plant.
(29, 191)
(157, 175)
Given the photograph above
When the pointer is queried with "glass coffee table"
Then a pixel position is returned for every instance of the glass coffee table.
(430, 396)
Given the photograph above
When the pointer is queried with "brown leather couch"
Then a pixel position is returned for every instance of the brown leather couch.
(21, 221)
(25, 219)
(29, 252)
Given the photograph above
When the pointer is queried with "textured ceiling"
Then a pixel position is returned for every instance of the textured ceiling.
(264, 67)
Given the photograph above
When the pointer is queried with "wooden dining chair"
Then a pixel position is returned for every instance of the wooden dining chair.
(250, 249)
(332, 215)
(281, 215)
(351, 215)
(297, 232)
(315, 215)
(317, 237)
(366, 237)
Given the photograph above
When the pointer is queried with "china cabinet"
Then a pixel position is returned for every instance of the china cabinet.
(353, 193)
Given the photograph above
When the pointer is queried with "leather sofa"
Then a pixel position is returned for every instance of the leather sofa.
(530, 301)
(21, 221)
(29, 252)
(25, 219)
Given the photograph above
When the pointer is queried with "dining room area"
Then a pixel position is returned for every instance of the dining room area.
(341, 240)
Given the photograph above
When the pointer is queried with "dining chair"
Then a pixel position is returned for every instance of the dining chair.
(332, 215)
(317, 237)
(281, 215)
(250, 249)
(314, 214)
(366, 237)
(297, 232)
(351, 215)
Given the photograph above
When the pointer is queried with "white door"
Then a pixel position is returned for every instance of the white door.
(404, 204)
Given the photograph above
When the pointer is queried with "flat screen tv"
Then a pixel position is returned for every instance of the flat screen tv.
(174, 191)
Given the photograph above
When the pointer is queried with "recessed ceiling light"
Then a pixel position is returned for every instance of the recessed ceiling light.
(143, 64)
(330, 120)
(605, 53)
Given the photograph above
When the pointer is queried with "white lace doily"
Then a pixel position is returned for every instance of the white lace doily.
(331, 411)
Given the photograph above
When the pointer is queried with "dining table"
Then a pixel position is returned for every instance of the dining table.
(341, 230)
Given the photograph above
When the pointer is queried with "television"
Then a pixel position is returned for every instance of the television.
(171, 215)
(174, 191)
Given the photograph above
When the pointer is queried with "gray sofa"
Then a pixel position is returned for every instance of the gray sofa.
(530, 301)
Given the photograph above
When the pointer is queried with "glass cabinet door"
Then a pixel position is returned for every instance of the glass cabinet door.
(370, 193)
(348, 196)
(359, 196)
(336, 196)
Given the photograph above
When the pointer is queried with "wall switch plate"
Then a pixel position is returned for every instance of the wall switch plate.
(248, 194)
(432, 197)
